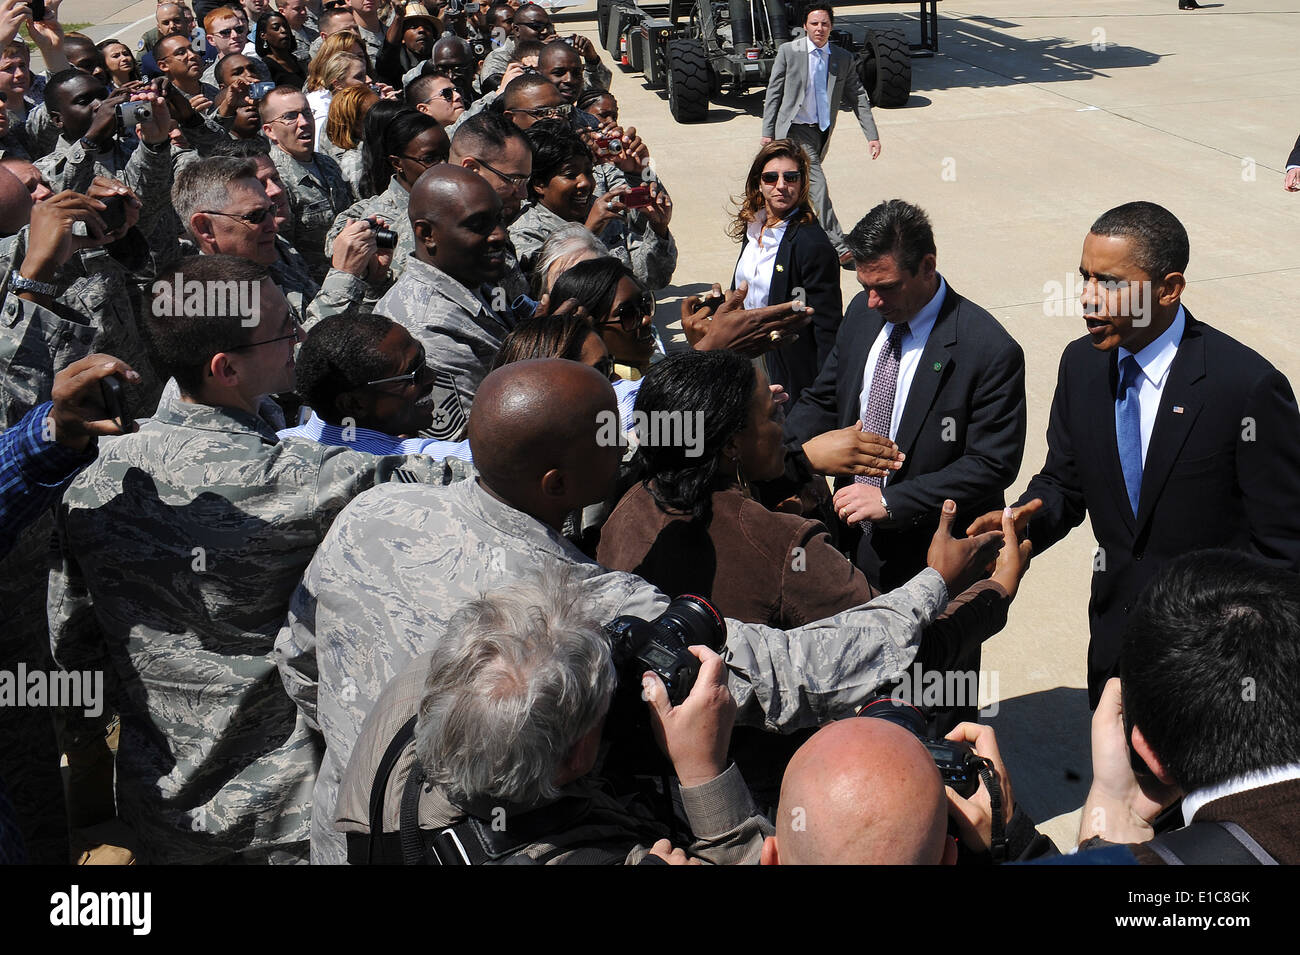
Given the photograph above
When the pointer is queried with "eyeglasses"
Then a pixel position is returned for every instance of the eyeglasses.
(233, 31)
(515, 181)
(563, 111)
(291, 118)
(449, 94)
(407, 379)
(792, 177)
(631, 313)
(256, 217)
(297, 334)
(425, 161)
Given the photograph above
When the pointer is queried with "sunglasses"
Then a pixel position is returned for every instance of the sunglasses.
(256, 217)
(233, 31)
(792, 178)
(448, 94)
(563, 111)
(630, 314)
(407, 379)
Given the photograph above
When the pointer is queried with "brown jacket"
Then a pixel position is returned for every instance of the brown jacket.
(766, 567)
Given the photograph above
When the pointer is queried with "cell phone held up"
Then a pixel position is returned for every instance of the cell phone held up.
(115, 403)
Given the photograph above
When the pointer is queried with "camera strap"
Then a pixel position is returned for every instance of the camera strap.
(989, 775)
(1210, 843)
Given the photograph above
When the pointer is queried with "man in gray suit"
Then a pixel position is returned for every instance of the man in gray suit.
(805, 111)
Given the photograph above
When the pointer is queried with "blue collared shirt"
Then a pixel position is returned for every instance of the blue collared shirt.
(1155, 361)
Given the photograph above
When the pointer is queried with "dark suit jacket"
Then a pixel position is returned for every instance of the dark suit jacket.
(806, 260)
(1222, 470)
(962, 429)
(1294, 158)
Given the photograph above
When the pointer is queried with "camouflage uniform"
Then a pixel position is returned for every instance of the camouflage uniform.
(317, 194)
(395, 567)
(351, 162)
(461, 333)
(147, 171)
(391, 205)
(42, 134)
(340, 292)
(651, 258)
(210, 73)
(305, 35)
(594, 75)
(728, 829)
(374, 42)
(181, 546)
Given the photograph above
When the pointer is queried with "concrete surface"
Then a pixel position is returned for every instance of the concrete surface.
(1034, 118)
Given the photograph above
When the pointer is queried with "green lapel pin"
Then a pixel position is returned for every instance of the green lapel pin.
(938, 366)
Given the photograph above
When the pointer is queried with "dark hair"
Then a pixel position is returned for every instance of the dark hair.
(592, 93)
(527, 48)
(158, 46)
(341, 354)
(1160, 243)
(486, 132)
(417, 91)
(554, 143)
(283, 89)
(374, 161)
(895, 228)
(594, 283)
(819, 5)
(103, 46)
(54, 86)
(559, 336)
(718, 388)
(1210, 663)
(260, 45)
(85, 43)
(402, 128)
(181, 345)
(249, 148)
(218, 71)
(519, 86)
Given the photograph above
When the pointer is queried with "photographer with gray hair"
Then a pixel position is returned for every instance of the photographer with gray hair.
(497, 766)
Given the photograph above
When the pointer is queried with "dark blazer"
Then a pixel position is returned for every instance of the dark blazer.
(805, 259)
(1222, 470)
(962, 429)
(1294, 158)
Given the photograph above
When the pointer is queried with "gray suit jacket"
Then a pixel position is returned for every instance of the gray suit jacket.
(789, 84)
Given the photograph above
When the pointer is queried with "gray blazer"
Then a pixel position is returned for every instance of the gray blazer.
(789, 84)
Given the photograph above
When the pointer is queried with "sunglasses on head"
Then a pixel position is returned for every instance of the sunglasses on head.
(793, 177)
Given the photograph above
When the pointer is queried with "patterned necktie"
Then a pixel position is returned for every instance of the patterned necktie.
(823, 103)
(1128, 429)
(880, 399)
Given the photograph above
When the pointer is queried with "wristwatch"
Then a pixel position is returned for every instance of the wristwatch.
(22, 284)
(889, 515)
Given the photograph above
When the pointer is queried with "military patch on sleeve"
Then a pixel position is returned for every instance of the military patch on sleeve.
(449, 417)
(403, 476)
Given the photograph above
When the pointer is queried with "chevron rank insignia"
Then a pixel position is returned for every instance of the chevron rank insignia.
(449, 417)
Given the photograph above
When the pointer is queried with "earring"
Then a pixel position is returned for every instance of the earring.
(740, 480)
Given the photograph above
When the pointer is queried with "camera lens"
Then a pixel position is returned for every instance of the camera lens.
(385, 238)
(898, 712)
(694, 621)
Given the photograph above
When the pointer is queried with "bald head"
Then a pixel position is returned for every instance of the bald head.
(443, 188)
(534, 417)
(15, 203)
(862, 792)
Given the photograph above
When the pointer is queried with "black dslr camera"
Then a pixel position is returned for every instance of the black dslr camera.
(957, 762)
(659, 645)
(384, 238)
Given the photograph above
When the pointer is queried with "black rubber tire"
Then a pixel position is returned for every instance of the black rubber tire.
(886, 68)
(634, 58)
(688, 80)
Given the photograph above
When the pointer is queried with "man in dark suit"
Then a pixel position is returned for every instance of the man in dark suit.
(1168, 434)
(1209, 666)
(1292, 181)
(957, 402)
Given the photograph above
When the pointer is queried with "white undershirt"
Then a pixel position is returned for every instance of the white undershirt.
(918, 333)
(758, 259)
(1155, 361)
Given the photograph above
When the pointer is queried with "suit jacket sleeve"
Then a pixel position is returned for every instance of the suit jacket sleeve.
(816, 411)
(1294, 158)
(995, 444)
(775, 93)
(856, 98)
(1057, 484)
(1268, 470)
(817, 271)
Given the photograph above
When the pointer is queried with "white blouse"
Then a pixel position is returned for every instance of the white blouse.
(758, 258)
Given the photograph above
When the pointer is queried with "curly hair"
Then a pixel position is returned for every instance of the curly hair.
(718, 387)
(747, 206)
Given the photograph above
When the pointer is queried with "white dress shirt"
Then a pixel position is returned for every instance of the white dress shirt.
(1155, 361)
(758, 259)
(1193, 801)
(808, 111)
(918, 333)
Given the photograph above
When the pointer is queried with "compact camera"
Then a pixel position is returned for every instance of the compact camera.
(129, 115)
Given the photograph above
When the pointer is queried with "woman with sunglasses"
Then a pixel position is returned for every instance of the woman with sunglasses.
(411, 143)
(562, 188)
(621, 309)
(276, 45)
(784, 249)
(121, 64)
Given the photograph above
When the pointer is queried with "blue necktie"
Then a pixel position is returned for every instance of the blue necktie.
(823, 104)
(1128, 429)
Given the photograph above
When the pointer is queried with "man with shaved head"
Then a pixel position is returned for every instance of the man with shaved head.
(396, 566)
(449, 296)
(861, 792)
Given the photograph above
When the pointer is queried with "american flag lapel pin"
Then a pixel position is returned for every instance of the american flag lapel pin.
(1178, 409)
